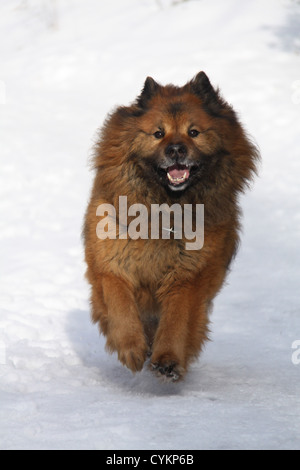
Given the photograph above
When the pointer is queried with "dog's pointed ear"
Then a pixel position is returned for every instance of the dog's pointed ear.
(150, 89)
(201, 86)
(211, 99)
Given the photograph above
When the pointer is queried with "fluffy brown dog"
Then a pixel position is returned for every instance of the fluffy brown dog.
(152, 296)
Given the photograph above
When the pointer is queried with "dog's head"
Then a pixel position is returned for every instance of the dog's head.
(179, 136)
(182, 137)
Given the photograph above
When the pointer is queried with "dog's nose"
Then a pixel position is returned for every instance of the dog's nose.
(176, 150)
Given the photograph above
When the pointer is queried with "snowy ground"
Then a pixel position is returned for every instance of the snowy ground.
(64, 65)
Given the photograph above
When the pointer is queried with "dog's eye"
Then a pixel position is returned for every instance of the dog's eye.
(159, 134)
(193, 133)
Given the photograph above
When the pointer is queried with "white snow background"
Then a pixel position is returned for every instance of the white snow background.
(64, 65)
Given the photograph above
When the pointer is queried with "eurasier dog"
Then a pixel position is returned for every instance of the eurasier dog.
(151, 295)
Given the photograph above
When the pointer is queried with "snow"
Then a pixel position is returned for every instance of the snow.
(64, 65)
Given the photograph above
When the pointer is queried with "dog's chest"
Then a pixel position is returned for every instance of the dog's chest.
(148, 262)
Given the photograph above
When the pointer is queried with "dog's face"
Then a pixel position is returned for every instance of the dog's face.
(175, 138)
(178, 137)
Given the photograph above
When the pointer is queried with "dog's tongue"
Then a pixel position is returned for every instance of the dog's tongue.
(178, 173)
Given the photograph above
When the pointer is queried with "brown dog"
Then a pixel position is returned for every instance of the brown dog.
(152, 296)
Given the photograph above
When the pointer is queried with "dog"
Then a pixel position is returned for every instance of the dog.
(172, 147)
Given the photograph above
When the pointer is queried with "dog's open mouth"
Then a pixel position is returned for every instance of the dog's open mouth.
(178, 174)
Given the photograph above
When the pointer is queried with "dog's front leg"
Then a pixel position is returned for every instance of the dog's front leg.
(182, 330)
(124, 330)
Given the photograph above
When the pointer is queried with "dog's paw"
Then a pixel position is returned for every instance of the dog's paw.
(132, 352)
(168, 371)
(133, 356)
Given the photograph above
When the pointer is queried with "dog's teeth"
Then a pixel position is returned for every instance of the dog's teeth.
(177, 180)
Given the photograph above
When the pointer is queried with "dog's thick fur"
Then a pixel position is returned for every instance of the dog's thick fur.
(152, 297)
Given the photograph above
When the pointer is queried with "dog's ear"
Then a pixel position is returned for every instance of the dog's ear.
(212, 101)
(201, 86)
(150, 89)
